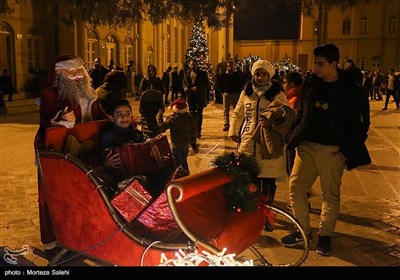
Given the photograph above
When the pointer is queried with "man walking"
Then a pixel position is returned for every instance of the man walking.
(196, 85)
(230, 85)
(329, 134)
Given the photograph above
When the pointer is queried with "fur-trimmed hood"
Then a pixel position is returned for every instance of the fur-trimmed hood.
(273, 89)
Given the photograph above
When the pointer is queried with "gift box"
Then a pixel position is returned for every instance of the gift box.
(158, 217)
(131, 201)
(139, 158)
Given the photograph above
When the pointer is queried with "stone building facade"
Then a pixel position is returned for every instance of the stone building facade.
(31, 37)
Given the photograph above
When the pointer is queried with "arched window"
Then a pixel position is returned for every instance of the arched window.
(363, 25)
(128, 50)
(112, 50)
(175, 40)
(150, 52)
(35, 50)
(376, 62)
(5, 46)
(362, 64)
(346, 27)
(392, 24)
(168, 44)
(92, 48)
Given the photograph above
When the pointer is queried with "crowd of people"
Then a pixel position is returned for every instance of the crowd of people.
(296, 126)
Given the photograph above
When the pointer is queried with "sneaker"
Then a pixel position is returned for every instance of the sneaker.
(294, 239)
(324, 245)
(226, 128)
(384, 109)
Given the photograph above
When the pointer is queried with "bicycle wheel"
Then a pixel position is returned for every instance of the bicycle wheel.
(269, 251)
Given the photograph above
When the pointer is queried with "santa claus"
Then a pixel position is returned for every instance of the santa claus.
(67, 99)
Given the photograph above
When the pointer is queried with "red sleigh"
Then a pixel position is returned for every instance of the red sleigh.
(77, 211)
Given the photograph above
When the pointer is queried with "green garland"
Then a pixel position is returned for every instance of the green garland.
(242, 192)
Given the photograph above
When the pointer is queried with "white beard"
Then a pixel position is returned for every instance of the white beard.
(73, 89)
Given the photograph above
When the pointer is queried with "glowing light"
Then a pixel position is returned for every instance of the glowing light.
(194, 258)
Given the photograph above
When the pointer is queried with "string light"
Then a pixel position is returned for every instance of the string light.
(194, 258)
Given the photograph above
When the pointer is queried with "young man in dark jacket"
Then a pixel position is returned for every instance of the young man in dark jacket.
(329, 134)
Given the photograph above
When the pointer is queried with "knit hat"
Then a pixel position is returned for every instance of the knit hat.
(180, 106)
(263, 64)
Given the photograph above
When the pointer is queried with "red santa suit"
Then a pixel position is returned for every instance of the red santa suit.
(52, 105)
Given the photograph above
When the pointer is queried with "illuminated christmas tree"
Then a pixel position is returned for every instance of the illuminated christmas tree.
(286, 65)
(197, 45)
(198, 50)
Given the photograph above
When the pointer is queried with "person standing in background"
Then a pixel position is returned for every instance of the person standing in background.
(367, 85)
(292, 85)
(350, 66)
(111, 66)
(167, 82)
(151, 81)
(176, 84)
(217, 88)
(196, 85)
(391, 82)
(112, 89)
(230, 86)
(6, 84)
(130, 76)
(98, 73)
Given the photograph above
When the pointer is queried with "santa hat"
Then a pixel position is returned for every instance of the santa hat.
(62, 61)
(74, 62)
(180, 106)
(263, 64)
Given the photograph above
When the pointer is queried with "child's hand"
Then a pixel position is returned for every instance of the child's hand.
(112, 160)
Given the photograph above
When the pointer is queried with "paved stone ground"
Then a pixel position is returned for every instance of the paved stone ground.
(367, 232)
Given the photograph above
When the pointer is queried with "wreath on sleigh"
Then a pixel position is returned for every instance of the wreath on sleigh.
(242, 193)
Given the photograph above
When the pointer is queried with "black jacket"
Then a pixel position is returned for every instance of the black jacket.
(348, 113)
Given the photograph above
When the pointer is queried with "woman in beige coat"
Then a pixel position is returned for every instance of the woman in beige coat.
(255, 98)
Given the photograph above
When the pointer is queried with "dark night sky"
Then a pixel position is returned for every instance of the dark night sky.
(267, 24)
